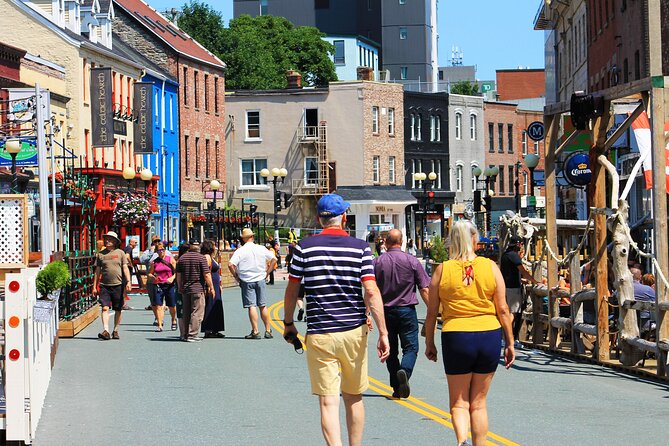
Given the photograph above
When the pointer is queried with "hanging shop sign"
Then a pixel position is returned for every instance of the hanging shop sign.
(577, 169)
(102, 107)
(143, 110)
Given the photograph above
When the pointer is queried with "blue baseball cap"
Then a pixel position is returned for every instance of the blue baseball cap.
(332, 205)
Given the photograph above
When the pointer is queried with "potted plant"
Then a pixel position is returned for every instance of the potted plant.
(131, 210)
(51, 279)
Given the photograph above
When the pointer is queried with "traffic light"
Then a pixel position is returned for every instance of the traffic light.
(430, 200)
(253, 208)
(477, 201)
(277, 201)
(286, 200)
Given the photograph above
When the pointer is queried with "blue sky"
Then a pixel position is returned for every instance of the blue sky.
(493, 35)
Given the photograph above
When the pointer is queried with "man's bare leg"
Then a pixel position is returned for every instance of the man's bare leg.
(355, 418)
(329, 405)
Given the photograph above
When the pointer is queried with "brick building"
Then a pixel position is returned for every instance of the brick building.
(201, 96)
(347, 137)
(507, 143)
(521, 83)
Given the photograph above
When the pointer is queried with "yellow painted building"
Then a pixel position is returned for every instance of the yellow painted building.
(48, 34)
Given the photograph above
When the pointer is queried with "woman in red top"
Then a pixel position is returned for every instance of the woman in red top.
(162, 271)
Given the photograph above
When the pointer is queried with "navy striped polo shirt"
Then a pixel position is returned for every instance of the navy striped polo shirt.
(333, 266)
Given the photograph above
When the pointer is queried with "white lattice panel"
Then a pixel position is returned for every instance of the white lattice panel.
(13, 218)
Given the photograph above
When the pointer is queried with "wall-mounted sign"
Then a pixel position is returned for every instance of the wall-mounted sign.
(536, 131)
(577, 169)
(143, 111)
(26, 157)
(102, 108)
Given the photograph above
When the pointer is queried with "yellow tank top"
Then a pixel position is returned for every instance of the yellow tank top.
(468, 307)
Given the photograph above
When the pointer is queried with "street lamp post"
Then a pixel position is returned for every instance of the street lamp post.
(215, 185)
(13, 147)
(277, 175)
(426, 186)
(531, 161)
(491, 174)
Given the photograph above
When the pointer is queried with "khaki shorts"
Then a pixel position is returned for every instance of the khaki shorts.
(330, 353)
(514, 299)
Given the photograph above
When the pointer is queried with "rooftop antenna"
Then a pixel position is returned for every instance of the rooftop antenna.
(456, 56)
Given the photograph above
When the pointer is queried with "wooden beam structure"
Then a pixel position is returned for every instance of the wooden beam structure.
(552, 124)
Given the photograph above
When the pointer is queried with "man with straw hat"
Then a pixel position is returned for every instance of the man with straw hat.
(110, 269)
(250, 265)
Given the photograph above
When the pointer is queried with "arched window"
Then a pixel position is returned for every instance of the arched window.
(474, 166)
(472, 127)
(458, 125)
(458, 178)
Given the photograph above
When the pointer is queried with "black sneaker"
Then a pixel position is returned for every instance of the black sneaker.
(300, 314)
(104, 335)
(252, 335)
(403, 384)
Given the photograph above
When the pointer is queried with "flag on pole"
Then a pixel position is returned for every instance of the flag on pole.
(641, 126)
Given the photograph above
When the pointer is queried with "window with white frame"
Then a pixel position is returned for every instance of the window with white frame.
(375, 120)
(250, 169)
(536, 147)
(435, 128)
(412, 117)
(375, 169)
(340, 54)
(391, 169)
(436, 168)
(458, 178)
(171, 112)
(310, 170)
(417, 166)
(525, 184)
(472, 127)
(458, 125)
(391, 121)
(252, 124)
(474, 166)
(524, 142)
(403, 32)
(404, 73)
(419, 133)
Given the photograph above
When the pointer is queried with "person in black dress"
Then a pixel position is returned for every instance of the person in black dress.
(214, 320)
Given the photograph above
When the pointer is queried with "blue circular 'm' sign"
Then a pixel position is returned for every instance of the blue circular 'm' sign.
(577, 169)
(536, 131)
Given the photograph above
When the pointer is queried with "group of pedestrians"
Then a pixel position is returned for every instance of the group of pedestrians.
(344, 285)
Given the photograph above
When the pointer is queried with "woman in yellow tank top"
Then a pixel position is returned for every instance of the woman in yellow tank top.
(471, 293)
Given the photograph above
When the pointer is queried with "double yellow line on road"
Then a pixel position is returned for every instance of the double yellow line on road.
(427, 410)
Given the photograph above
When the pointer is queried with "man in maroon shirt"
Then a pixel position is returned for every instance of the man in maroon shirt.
(397, 275)
(193, 274)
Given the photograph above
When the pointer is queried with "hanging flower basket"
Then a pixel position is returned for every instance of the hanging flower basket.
(131, 210)
(199, 219)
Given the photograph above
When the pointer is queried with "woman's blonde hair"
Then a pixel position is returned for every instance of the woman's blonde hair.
(460, 239)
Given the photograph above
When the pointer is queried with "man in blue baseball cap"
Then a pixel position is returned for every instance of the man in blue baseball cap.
(339, 283)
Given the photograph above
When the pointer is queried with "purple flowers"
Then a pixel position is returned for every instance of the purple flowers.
(131, 210)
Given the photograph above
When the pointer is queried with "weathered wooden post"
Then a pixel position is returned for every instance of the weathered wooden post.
(601, 255)
(575, 286)
(623, 283)
(552, 125)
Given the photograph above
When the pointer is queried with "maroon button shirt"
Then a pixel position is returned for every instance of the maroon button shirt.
(397, 275)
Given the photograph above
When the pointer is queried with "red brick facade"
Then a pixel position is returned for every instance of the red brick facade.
(202, 126)
(509, 117)
(521, 84)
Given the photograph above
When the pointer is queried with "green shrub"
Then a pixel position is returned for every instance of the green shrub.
(52, 277)
(439, 252)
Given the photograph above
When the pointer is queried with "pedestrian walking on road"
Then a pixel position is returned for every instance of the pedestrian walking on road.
(470, 290)
(111, 269)
(129, 253)
(250, 265)
(193, 275)
(214, 320)
(513, 270)
(163, 274)
(397, 275)
(339, 283)
(146, 259)
(183, 330)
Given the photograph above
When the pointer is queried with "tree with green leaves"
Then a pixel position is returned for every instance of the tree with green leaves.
(259, 50)
(465, 88)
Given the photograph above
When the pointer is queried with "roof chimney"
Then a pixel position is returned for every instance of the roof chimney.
(365, 74)
(294, 79)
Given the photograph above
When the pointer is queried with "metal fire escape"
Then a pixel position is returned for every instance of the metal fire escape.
(313, 141)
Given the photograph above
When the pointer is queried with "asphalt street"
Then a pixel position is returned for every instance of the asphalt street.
(150, 388)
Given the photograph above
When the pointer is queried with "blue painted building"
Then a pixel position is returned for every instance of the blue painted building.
(164, 161)
(352, 52)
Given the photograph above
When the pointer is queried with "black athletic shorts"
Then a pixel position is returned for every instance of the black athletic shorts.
(111, 296)
(471, 352)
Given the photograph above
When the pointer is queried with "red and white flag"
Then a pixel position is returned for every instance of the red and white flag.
(641, 126)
